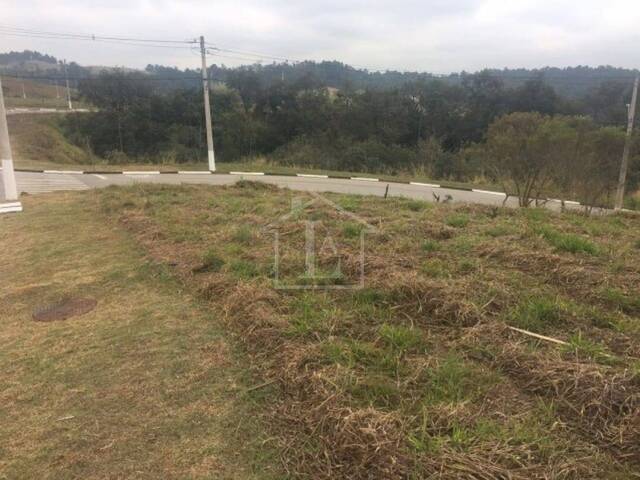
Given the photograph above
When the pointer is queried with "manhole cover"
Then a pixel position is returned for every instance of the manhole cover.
(67, 308)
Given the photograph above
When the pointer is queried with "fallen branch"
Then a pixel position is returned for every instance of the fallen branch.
(537, 335)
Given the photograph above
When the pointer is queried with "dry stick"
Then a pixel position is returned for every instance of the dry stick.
(258, 387)
(537, 335)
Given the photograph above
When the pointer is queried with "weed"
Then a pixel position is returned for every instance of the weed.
(583, 346)
(454, 381)
(497, 231)
(537, 314)
(309, 315)
(417, 205)
(351, 230)
(535, 214)
(244, 269)
(618, 299)
(400, 338)
(467, 266)
(211, 262)
(356, 353)
(243, 235)
(459, 220)
(376, 390)
(567, 242)
(435, 268)
(429, 245)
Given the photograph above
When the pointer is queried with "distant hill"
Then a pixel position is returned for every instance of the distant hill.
(26, 56)
(569, 82)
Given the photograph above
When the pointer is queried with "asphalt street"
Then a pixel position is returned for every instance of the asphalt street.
(36, 183)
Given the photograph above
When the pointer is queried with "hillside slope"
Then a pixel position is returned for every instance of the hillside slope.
(36, 141)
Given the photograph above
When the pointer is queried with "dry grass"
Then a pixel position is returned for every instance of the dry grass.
(416, 375)
(144, 386)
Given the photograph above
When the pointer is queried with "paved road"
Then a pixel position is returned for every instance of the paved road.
(36, 183)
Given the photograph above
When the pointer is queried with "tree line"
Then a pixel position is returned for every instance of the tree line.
(430, 126)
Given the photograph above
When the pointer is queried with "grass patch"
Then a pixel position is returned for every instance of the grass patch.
(537, 314)
(430, 245)
(400, 338)
(567, 242)
(417, 205)
(351, 230)
(498, 231)
(454, 380)
(244, 269)
(435, 268)
(211, 262)
(459, 220)
(243, 235)
(584, 347)
(629, 304)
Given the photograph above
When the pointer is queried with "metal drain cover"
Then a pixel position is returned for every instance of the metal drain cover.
(67, 308)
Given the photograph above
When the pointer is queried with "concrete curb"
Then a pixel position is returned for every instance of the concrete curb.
(502, 194)
(430, 185)
(11, 207)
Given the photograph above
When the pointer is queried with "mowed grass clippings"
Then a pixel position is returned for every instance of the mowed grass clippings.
(146, 385)
(417, 374)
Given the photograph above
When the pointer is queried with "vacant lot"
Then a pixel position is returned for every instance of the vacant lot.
(144, 386)
(417, 375)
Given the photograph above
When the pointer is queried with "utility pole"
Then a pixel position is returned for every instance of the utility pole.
(8, 175)
(24, 93)
(622, 179)
(57, 91)
(207, 106)
(66, 77)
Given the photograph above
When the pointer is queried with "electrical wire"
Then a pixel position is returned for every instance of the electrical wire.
(79, 36)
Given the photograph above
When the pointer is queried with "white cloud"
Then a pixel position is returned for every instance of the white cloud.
(431, 35)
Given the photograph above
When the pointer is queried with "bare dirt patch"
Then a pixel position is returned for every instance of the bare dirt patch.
(64, 309)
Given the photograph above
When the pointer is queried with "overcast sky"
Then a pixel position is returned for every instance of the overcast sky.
(425, 35)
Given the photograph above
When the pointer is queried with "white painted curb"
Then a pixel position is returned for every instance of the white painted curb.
(12, 207)
(150, 172)
(246, 173)
(432, 185)
(311, 175)
(194, 172)
(72, 172)
(502, 194)
(365, 179)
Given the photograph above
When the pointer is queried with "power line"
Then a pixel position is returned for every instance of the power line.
(79, 36)
(117, 42)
